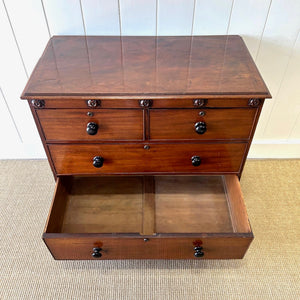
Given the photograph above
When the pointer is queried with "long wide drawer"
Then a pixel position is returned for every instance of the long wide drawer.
(81, 248)
(201, 124)
(150, 158)
(160, 217)
(91, 125)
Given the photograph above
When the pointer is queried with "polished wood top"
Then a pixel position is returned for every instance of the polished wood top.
(106, 66)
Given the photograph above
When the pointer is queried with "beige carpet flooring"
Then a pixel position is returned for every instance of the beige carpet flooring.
(270, 269)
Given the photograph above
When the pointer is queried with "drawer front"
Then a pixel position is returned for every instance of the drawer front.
(91, 125)
(151, 158)
(156, 102)
(233, 247)
(201, 124)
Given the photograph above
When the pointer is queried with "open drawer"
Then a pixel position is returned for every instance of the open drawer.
(148, 217)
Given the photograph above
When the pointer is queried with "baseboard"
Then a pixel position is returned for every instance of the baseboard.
(19, 150)
(275, 149)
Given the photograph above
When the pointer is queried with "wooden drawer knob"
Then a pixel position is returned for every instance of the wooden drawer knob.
(93, 103)
(196, 161)
(198, 252)
(145, 103)
(254, 102)
(92, 128)
(97, 252)
(98, 161)
(200, 127)
(199, 102)
(38, 103)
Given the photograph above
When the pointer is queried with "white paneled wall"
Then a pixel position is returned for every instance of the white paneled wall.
(212, 17)
(270, 29)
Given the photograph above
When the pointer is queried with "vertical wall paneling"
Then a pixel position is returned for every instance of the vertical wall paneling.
(8, 132)
(248, 18)
(138, 17)
(275, 50)
(101, 17)
(295, 132)
(211, 17)
(64, 17)
(287, 107)
(30, 28)
(12, 81)
(175, 17)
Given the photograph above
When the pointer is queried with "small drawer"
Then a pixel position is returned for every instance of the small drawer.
(147, 158)
(200, 102)
(138, 102)
(93, 104)
(201, 124)
(146, 218)
(91, 125)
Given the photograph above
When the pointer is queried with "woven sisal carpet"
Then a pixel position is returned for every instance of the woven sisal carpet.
(270, 269)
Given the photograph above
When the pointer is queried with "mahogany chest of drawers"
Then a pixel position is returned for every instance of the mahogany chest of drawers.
(147, 138)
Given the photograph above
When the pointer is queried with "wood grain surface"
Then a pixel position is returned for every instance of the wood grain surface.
(104, 66)
(71, 124)
(159, 158)
(167, 124)
(236, 204)
(220, 247)
(191, 204)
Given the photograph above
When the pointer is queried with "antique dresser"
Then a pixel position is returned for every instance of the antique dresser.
(147, 138)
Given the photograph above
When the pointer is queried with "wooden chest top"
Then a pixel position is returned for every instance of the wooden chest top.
(110, 67)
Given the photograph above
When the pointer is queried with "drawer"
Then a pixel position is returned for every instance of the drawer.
(155, 102)
(140, 217)
(91, 125)
(201, 124)
(150, 158)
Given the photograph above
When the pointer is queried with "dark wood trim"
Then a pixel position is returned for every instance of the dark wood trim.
(158, 235)
(146, 174)
(258, 112)
(42, 137)
(151, 142)
(138, 96)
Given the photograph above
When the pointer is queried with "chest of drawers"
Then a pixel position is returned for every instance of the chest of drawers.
(147, 138)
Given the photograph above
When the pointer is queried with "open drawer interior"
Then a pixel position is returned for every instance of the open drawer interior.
(148, 205)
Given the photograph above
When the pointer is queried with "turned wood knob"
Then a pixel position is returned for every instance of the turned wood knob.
(199, 102)
(38, 103)
(92, 128)
(254, 102)
(196, 161)
(96, 252)
(145, 103)
(93, 103)
(98, 161)
(198, 252)
(200, 127)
